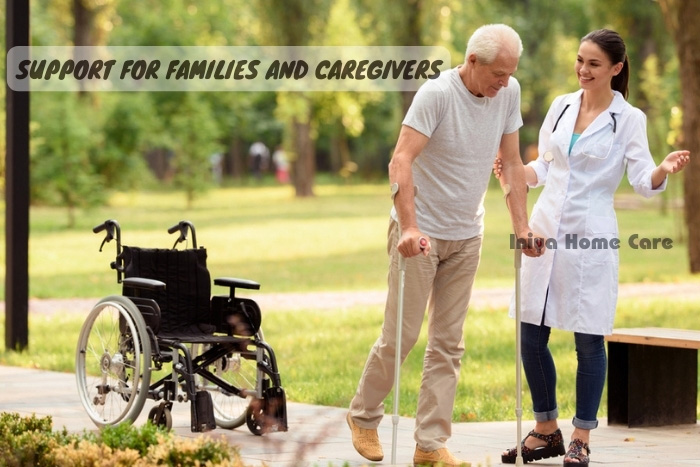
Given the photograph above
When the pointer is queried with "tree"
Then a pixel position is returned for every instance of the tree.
(195, 137)
(129, 129)
(170, 118)
(2, 100)
(405, 26)
(296, 23)
(64, 141)
(678, 14)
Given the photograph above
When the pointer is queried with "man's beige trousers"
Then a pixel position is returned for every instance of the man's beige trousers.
(442, 283)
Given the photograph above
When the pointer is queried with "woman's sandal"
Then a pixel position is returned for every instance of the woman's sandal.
(553, 448)
(575, 451)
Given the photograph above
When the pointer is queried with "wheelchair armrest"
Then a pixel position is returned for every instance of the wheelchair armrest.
(143, 283)
(236, 283)
(232, 283)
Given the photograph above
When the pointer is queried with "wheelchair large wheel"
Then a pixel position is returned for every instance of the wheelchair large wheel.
(112, 362)
(229, 409)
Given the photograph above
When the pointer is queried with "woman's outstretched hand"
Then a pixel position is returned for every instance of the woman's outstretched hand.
(675, 161)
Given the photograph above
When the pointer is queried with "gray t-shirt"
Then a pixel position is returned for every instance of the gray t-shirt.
(452, 172)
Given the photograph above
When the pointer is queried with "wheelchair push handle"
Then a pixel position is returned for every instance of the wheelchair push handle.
(113, 231)
(183, 227)
(174, 228)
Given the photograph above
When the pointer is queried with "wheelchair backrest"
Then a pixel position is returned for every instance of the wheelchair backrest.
(184, 304)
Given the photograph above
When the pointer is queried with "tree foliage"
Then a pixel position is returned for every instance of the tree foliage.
(64, 143)
(120, 134)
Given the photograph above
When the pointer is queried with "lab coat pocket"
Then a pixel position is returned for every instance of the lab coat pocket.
(601, 225)
(598, 154)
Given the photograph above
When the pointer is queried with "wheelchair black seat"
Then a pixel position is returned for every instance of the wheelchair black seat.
(184, 304)
(184, 309)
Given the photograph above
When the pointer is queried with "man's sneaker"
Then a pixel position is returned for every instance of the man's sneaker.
(365, 441)
(441, 456)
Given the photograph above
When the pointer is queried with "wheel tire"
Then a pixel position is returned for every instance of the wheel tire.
(112, 363)
(165, 419)
(255, 418)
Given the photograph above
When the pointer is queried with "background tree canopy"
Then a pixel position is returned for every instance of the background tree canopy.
(122, 141)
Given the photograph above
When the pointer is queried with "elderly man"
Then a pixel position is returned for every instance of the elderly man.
(455, 126)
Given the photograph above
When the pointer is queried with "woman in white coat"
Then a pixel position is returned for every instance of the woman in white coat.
(587, 141)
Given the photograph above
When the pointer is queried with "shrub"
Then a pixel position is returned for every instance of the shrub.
(126, 436)
(30, 441)
(84, 453)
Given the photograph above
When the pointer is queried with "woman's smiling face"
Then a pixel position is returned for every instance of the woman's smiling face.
(593, 67)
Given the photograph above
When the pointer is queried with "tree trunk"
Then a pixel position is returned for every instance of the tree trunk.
(677, 14)
(304, 166)
(82, 33)
(235, 162)
(688, 40)
(410, 35)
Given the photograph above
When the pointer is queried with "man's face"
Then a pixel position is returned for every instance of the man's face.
(489, 78)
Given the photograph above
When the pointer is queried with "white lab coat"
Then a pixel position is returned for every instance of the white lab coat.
(580, 285)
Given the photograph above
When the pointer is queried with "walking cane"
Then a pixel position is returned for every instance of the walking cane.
(397, 360)
(518, 342)
(518, 358)
(399, 326)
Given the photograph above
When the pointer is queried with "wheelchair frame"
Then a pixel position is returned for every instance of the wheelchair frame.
(228, 373)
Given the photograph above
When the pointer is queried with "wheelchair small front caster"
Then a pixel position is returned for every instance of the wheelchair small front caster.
(255, 417)
(161, 416)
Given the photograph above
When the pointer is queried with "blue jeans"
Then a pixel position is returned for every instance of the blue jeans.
(541, 375)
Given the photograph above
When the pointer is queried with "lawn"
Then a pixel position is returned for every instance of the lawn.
(321, 354)
(334, 241)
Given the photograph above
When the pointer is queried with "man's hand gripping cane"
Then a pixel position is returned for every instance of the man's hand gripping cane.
(530, 243)
(412, 241)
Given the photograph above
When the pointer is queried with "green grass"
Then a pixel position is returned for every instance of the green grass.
(321, 354)
(331, 242)
(335, 241)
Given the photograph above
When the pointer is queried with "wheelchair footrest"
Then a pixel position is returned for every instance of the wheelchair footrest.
(275, 409)
(203, 413)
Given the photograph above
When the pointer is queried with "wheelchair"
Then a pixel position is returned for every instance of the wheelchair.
(166, 326)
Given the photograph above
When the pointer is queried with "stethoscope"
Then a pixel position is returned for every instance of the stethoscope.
(549, 157)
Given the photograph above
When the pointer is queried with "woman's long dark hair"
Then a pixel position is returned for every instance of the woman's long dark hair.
(612, 44)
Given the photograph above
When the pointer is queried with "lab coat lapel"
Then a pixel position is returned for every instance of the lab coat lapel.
(566, 125)
(605, 119)
(600, 122)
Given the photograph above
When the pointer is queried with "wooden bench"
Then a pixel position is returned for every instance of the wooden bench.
(652, 376)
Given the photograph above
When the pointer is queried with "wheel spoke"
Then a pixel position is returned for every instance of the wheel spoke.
(111, 367)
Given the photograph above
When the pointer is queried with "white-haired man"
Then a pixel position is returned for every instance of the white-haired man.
(455, 126)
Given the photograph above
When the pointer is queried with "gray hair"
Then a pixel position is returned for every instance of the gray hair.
(490, 39)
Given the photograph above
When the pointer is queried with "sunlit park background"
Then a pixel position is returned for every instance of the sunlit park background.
(145, 159)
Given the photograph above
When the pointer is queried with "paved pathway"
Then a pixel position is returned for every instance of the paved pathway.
(481, 298)
(319, 436)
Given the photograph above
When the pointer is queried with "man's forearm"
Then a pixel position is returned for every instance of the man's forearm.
(400, 173)
(514, 177)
